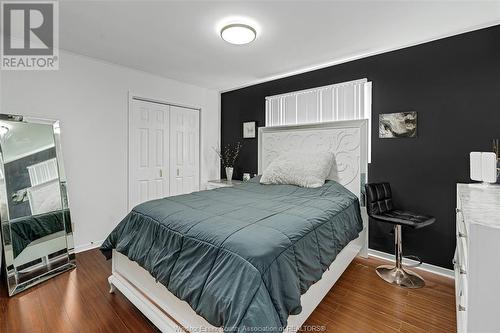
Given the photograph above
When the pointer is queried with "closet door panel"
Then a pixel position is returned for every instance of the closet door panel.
(184, 161)
(148, 151)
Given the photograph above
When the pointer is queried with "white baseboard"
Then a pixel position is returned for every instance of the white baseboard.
(88, 246)
(425, 267)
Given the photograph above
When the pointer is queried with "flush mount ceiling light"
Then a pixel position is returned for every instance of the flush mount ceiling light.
(238, 33)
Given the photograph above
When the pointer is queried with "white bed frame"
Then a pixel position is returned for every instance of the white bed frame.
(348, 141)
(47, 245)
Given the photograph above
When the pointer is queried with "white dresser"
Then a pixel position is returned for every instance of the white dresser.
(477, 258)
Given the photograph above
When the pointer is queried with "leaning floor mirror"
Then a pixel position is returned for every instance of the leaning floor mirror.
(36, 226)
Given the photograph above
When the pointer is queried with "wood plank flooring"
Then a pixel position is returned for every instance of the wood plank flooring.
(78, 301)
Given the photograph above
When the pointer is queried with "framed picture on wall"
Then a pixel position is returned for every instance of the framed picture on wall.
(398, 125)
(249, 130)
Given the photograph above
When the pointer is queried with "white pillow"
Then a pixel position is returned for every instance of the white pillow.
(305, 169)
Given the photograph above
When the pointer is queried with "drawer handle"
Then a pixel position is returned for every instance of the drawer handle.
(461, 308)
(462, 235)
(460, 269)
(458, 210)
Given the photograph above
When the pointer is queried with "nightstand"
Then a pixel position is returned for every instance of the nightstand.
(218, 183)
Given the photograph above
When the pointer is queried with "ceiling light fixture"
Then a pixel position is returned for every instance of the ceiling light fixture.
(238, 34)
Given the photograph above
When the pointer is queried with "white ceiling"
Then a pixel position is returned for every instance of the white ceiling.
(179, 40)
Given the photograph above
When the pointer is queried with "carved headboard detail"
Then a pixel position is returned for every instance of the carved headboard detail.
(346, 139)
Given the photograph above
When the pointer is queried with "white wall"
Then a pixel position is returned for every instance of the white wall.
(90, 98)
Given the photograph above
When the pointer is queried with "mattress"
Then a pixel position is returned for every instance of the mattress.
(240, 256)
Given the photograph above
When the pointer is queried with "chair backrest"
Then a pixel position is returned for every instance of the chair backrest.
(379, 198)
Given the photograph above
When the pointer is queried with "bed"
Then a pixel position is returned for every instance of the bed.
(252, 256)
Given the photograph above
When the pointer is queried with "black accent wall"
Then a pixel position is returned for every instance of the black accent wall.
(453, 84)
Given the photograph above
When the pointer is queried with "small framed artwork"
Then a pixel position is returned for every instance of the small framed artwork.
(249, 129)
(397, 125)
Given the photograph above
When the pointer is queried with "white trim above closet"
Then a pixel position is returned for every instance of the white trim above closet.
(342, 101)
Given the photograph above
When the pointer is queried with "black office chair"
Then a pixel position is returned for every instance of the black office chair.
(380, 208)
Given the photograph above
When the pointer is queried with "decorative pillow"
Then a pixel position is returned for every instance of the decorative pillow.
(304, 169)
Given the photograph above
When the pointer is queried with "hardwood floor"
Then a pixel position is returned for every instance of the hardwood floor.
(78, 301)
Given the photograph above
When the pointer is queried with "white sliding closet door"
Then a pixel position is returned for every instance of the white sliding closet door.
(184, 150)
(148, 151)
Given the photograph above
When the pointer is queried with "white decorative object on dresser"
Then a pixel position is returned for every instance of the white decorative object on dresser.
(218, 183)
(477, 272)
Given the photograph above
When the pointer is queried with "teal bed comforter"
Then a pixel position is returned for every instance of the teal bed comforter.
(242, 256)
(27, 229)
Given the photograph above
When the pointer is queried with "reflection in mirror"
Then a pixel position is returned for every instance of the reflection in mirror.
(36, 224)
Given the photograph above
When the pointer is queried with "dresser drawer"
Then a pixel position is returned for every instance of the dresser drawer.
(477, 252)
(460, 287)
(461, 312)
(461, 226)
(462, 255)
(462, 301)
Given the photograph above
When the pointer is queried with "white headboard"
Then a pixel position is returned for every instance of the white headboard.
(348, 140)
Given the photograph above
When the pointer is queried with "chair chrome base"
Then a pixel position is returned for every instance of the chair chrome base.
(400, 277)
(397, 274)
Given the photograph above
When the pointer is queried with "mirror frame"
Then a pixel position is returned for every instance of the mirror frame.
(11, 276)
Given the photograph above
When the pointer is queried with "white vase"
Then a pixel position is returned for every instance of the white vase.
(229, 173)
